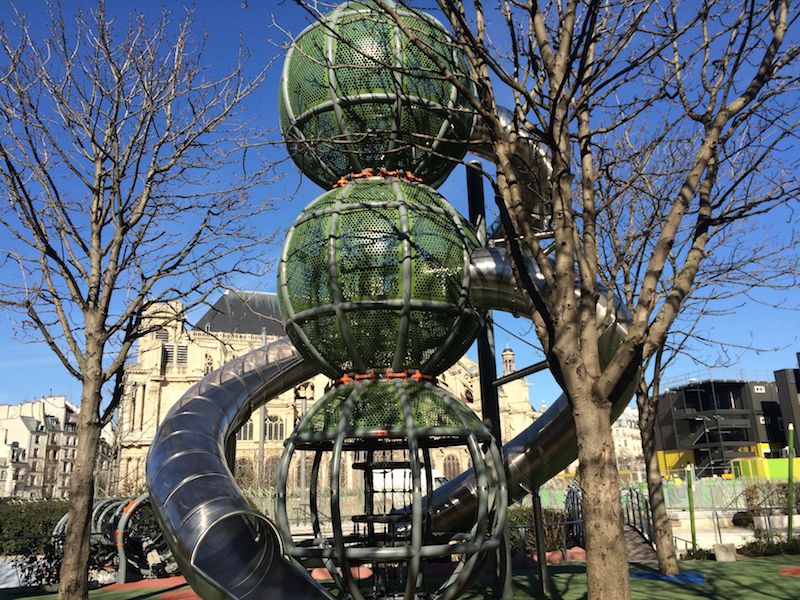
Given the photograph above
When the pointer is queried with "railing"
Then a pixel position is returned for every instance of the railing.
(574, 510)
(637, 513)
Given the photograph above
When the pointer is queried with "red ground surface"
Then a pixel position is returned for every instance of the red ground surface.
(148, 584)
(790, 571)
(184, 593)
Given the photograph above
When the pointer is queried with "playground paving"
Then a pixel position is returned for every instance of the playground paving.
(773, 578)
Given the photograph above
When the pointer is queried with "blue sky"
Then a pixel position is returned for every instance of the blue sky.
(29, 370)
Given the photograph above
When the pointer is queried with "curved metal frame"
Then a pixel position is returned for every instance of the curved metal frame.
(472, 544)
(109, 522)
(120, 533)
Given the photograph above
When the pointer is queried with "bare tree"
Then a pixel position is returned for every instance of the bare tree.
(743, 258)
(126, 174)
(575, 75)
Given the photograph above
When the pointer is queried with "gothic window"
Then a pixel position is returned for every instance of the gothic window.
(209, 364)
(452, 466)
(271, 470)
(275, 428)
(133, 408)
(468, 396)
(246, 432)
(245, 472)
(303, 472)
(162, 334)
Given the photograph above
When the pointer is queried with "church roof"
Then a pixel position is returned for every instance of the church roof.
(244, 312)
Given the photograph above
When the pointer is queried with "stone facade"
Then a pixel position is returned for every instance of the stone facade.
(38, 442)
(173, 357)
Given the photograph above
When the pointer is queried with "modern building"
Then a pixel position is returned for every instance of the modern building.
(787, 381)
(709, 422)
(175, 355)
(38, 443)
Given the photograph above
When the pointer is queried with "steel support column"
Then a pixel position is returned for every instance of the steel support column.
(487, 364)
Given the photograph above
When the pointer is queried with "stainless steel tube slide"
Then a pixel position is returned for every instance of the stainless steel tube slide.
(225, 549)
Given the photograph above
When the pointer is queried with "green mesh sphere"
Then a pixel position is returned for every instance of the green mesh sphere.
(375, 275)
(378, 408)
(357, 94)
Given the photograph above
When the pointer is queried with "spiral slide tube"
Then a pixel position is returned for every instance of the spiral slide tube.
(224, 548)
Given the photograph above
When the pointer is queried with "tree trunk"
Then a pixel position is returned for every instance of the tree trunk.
(665, 546)
(606, 554)
(74, 578)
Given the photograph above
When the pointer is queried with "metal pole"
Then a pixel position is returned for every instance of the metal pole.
(487, 364)
(261, 417)
(790, 491)
(690, 491)
(541, 550)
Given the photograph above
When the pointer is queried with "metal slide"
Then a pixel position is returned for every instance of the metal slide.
(226, 549)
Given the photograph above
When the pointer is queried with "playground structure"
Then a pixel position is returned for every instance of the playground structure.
(382, 285)
(124, 533)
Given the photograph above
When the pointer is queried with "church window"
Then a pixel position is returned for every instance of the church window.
(246, 432)
(275, 428)
(452, 466)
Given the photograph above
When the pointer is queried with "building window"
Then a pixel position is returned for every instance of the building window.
(162, 334)
(246, 432)
(271, 470)
(468, 396)
(167, 354)
(275, 429)
(209, 364)
(452, 466)
(36, 440)
(35, 453)
(760, 389)
(183, 355)
(3, 475)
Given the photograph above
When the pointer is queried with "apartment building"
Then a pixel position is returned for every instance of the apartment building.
(38, 444)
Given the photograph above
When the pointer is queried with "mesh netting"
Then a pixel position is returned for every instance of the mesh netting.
(356, 93)
(379, 406)
(375, 275)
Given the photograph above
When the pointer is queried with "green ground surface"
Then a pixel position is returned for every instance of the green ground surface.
(747, 578)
